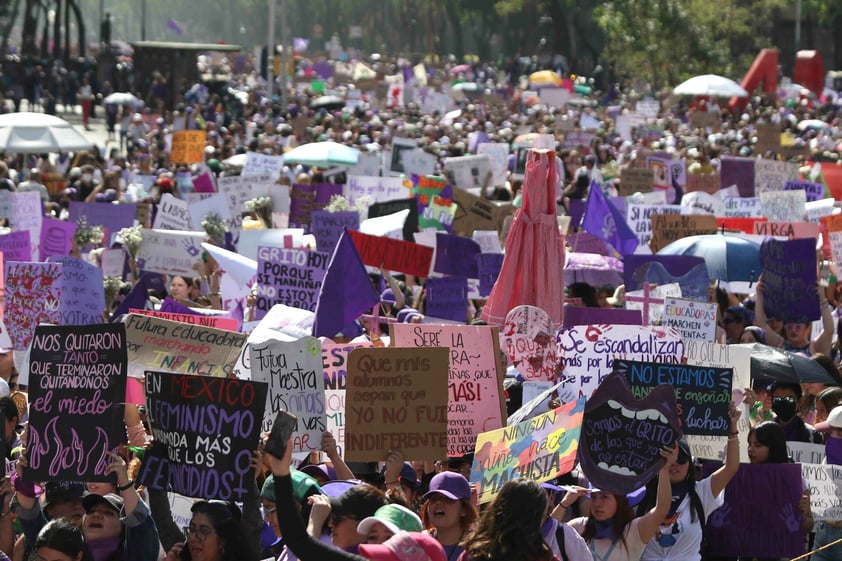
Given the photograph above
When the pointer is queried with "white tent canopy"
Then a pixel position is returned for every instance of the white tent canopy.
(33, 133)
(712, 85)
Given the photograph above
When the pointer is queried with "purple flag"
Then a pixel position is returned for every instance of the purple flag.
(136, 298)
(299, 44)
(346, 291)
(173, 26)
(604, 221)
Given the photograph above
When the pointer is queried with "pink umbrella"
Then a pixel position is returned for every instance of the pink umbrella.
(594, 269)
(532, 271)
(461, 68)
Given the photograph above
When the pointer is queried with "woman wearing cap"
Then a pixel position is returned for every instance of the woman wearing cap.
(387, 521)
(611, 531)
(680, 534)
(797, 335)
(447, 512)
(828, 532)
(402, 546)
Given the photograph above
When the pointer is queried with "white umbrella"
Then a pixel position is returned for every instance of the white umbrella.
(32, 133)
(710, 84)
(323, 155)
(236, 161)
(122, 98)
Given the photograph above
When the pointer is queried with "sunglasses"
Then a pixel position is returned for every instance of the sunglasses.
(682, 459)
(781, 399)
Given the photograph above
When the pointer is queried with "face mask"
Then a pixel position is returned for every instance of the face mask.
(784, 408)
(833, 449)
(87, 177)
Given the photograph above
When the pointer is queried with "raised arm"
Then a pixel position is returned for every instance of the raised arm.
(772, 338)
(822, 342)
(720, 478)
(651, 521)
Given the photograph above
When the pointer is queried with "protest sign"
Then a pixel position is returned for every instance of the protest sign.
(396, 399)
(789, 280)
(768, 138)
(738, 207)
(203, 183)
(292, 277)
(574, 140)
(213, 203)
(15, 246)
(77, 377)
(447, 298)
(622, 436)
(488, 269)
(640, 218)
(554, 97)
(474, 399)
(379, 189)
(436, 209)
(703, 203)
(206, 430)
(399, 147)
(667, 228)
(771, 175)
(410, 224)
(293, 373)
(369, 164)
(650, 301)
(456, 256)
(475, 213)
(304, 199)
(815, 210)
(739, 528)
(498, 156)
(791, 230)
(527, 339)
(539, 449)
(335, 362)
(689, 272)
(806, 452)
(259, 164)
(635, 180)
(825, 482)
(111, 217)
(468, 172)
(703, 393)
(250, 240)
(488, 240)
(703, 182)
(26, 212)
(188, 147)
(56, 237)
(393, 255)
(33, 296)
(82, 292)
(172, 214)
(836, 246)
(662, 172)
(704, 120)
(734, 170)
(170, 252)
(216, 322)
(587, 352)
(695, 320)
(813, 191)
(328, 226)
(575, 315)
(239, 189)
(783, 206)
(171, 346)
(745, 225)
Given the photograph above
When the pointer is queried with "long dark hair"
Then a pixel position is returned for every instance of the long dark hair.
(225, 518)
(510, 528)
(62, 536)
(621, 519)
(651, 497)
(771, 435)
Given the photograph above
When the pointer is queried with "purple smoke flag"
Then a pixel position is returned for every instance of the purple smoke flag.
(173, 26)
(603, 220)
(346, 291)
(299, 44)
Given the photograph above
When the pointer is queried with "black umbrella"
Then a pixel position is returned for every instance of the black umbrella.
(779, 365)
(328, 102)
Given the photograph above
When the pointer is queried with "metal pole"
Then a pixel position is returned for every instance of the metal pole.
(270, 49)
(797, 26)
(143, 20)
(284, 52)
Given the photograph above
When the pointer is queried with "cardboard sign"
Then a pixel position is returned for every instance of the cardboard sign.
(540, 449)
(292, 372)
(703, 393)
(380, 189)
(304, 199)
(77, 377)
(211, 456)
(328, 226)
(768, 138)
(771, 175)
(292, 277)
(814, 191)
(475, 213)
(474, 401)
(82, 292)
(447, 298)
(172, 214)
(171, 346)
(15, 246)
(396, 399)
(707, 183)
(739, 528)
(791, 230)
(188, 147)
(622, 436)
(33, 296)
(635, 180)
(335, 363)
(56, 237)
(783, 206)
(704, 120)
(170, 252)
(393, 255)
(587, 352)
(789, 280)
(640, 218)
(667, 228)
(695, 320)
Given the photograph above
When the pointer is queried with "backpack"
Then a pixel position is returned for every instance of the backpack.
(559, 538)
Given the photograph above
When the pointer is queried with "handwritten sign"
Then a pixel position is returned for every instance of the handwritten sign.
(56, 237)
(436, 209)
(700, 202)
(293, 373)
(791, 230)
(825, 483)
(396, 399)
(82, 292)
(304, 199)
(473, 404)
(771, 175)
(587, 352)
(498, 157)
(188, 147)
(447, 298)
(170, 252)
(33, 296)
(172, 214)
(393, 255)
(26, 212)
(704, 182)
(488, 269)
(640, 218)
(527, 339)
(539, 448)
(695, 320)
(328, 226)
(217, 322)
(783, 206)
(814, 191)
(467, 172)
(738, 207)
(475, 213)
(335, 362)
(292, 277)
(380, 189)
(15, 246)
(259, 164)
(635, 180)
(210, 458)
(768, 138)
(789, 280)
(667, 228)
(77, 378)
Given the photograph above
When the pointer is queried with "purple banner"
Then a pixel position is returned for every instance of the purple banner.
(740, 528)
(576, 315)
(737, 171)
(82, 291)
(576, 208)
(304, 199)
(56, 237)
(110, 216)
(447, 298)
(488, 268)
(689, 272)
(292, 277)
(814, 191)
(585, 242)
(328, 226)
(456, 256)
(15, 246)
(790, 290)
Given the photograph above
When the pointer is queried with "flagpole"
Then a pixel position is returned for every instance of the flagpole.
(143, 20)
(270, 49)
(284, 52)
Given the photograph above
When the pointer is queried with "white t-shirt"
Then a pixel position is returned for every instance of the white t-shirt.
(574, 546)
(681, 527)
(632, 551)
